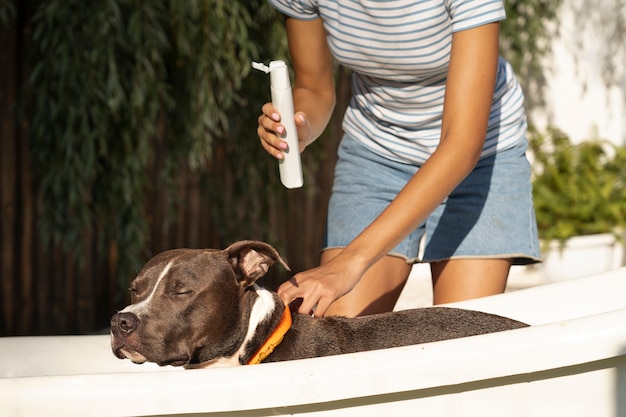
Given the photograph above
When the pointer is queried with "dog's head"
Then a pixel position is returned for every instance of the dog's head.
(187, 304)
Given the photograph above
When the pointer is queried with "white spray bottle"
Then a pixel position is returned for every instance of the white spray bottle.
(290, 167)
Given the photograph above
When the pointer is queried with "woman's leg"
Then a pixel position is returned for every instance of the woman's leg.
(464, 279)
(378, 290)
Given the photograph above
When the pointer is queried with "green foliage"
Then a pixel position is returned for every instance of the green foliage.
(210, 56)
(578, 189)
(524, 41)
(525, 32)
(112, 83)
(243, 183)
(7, 13)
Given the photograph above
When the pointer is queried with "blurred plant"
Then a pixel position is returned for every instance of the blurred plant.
(578, 189)
(109, 85)
(525, 41)
(248, 177)
(7, 13)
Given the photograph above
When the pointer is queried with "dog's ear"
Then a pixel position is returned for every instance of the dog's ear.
(253, 259)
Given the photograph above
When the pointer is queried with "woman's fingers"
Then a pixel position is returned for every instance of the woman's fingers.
(271, 131)
(318, 288)
(303, 290)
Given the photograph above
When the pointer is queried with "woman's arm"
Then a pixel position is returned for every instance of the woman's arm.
(313, 89)
(469, 93)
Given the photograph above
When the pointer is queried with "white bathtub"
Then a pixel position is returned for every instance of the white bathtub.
(571, 362)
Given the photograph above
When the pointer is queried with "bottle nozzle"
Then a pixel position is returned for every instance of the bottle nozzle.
(261, 67)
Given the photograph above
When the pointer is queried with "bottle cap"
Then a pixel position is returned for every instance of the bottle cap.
(279, 73)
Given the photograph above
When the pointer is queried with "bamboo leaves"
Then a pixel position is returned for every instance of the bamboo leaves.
(109, 83)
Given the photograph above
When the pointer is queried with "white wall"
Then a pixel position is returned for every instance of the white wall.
(585, 93)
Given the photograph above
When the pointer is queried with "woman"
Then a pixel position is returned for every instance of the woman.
(434, 144)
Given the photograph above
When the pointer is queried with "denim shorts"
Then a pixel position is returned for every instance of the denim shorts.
(489, 215)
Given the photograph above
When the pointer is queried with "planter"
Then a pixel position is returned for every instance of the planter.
(581, 256)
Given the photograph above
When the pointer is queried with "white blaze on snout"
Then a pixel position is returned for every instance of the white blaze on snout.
(143, 305)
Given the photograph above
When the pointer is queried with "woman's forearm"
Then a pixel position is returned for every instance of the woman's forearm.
(318, 109)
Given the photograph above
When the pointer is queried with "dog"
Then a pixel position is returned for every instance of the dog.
(202, 307)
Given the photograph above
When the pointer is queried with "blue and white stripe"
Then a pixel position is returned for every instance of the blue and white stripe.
(399, 51)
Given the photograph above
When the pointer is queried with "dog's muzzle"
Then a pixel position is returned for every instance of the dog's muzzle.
(124, 323)
(122, 326)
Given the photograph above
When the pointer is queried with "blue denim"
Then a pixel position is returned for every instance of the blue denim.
(489, 215)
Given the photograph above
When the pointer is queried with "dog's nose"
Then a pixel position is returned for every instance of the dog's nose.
(126, 322)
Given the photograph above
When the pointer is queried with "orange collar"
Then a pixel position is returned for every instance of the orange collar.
(273, 339)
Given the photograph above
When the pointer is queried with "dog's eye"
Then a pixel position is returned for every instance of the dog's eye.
(179, 288)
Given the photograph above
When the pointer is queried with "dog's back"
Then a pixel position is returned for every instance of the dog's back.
(315, 337)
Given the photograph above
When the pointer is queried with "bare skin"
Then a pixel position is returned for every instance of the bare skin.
(454, 280)
(372, 294)
(465, 279)
(362, 278)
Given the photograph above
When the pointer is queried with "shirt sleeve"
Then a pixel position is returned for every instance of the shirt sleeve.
(298, 9)
(467, 14)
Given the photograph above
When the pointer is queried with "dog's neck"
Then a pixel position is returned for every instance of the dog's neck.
(273, 339)
(265, 305)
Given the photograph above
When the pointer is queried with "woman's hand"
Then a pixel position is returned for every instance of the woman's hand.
(320, 287)
(272, 133)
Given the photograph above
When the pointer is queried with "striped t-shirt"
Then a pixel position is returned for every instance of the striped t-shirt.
(399, 52)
